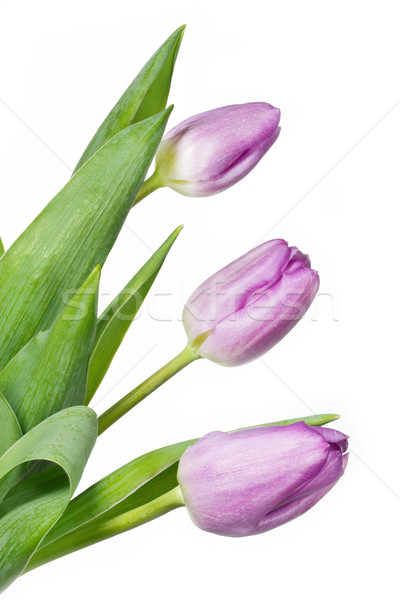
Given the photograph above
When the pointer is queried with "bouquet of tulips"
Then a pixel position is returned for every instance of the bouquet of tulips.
(55, 349)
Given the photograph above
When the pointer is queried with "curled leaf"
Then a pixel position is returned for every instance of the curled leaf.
(33, 506)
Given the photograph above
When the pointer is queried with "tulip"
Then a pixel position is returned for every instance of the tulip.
(251, 304)
(211, 151)
(236, 315)
(253, 480)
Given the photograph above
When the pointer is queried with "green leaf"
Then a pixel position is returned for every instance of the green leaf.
(1, 248)
(146, 96)
(116, 319)
(50, 372)
(33, 506)
(10, 433)
(73, 234)
(10, 428)
(104, 499)
(91, 516)
(312, 420)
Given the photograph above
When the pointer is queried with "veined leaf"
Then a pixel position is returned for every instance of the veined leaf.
(50, 372)
(116, 319)
(73, 234)
(33, 506)
(146, 96)
(1, 248)
(90, 517)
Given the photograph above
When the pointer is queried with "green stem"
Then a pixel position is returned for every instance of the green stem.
(150, 185)
(143, 390)
(97, 530)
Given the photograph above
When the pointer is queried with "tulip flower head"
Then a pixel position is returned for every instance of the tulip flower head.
(244, 309)
(253, 480)
(211, 151)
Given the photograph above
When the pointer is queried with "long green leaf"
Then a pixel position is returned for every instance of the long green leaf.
(73, 234)
(33, 506)
(50, 372)
(1, 248)
(146, 96)
(118, 316)
(126, 489)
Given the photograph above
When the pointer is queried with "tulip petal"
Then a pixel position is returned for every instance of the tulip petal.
(227, 290)
(239, 168)
(334, 437)
(260, 324)
(330, 472)
(291, 511)
(297, 260)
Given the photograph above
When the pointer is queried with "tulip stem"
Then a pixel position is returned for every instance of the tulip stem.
(151, 184)
(120, 408)
(102, 529)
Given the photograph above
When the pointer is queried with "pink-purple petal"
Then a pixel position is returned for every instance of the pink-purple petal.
(254, 329)
(291, 510)
(228, 289)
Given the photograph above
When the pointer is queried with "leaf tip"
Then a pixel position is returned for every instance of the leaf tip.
(91, 283)
(95, 274)
(178, 34)
(326, 418)
(334, 417)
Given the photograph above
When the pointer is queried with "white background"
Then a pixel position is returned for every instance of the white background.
(329, 185)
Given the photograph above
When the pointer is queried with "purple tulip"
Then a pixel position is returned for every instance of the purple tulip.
(253, 480)
(211, 151)
(251, 304)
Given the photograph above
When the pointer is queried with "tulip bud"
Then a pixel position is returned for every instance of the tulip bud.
(211, 151)
(253, 480)
(251, 304)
